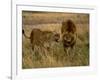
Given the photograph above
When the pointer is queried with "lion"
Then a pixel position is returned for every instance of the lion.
(41, 38)
(69, 34)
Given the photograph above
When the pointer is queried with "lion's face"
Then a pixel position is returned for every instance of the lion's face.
(68, 39)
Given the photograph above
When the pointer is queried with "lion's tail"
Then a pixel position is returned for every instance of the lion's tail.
(23, 32)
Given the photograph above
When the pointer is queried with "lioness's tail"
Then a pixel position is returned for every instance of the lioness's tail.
(23, 32)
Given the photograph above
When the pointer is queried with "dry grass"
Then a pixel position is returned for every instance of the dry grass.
(55, 57)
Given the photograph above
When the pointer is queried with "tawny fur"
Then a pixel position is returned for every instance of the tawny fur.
(69, 34)
(41, 38)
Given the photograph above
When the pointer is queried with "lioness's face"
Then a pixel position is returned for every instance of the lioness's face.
(56, 37)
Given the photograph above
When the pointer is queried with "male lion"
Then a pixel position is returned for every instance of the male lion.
(69, 34)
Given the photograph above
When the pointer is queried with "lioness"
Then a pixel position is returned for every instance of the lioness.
(41, 38)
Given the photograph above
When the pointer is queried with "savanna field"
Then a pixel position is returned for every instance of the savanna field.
(55, 57)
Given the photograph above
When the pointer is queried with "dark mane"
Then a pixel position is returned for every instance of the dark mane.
(68, 26)
(71, 26)
(69, 34)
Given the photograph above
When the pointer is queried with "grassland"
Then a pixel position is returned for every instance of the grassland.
(56, 57)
